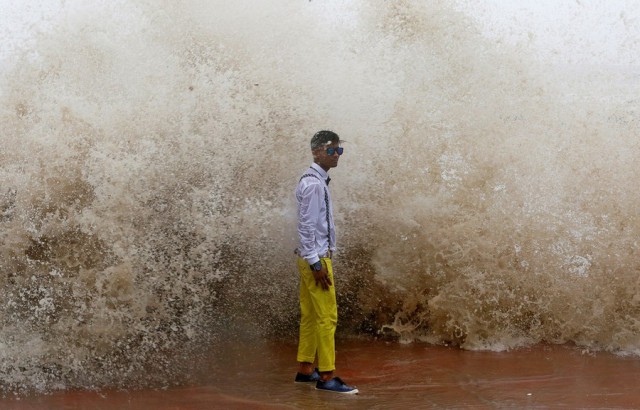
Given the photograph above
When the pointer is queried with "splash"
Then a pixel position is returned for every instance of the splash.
(150, 151)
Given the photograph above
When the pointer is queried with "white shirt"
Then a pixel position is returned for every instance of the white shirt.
(312, 215)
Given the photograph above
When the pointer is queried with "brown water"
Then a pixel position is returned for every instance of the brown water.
(389, 376)
(487, 197)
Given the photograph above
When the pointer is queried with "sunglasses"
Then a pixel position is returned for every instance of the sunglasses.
(332, 150)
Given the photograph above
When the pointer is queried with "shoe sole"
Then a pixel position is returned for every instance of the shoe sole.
(354, 391)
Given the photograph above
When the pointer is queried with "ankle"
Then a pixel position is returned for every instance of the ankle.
(305, 368)
(326, 376)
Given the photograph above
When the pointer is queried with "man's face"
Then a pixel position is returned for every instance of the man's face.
(323, 158)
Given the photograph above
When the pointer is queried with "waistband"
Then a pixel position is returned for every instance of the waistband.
(328, 255)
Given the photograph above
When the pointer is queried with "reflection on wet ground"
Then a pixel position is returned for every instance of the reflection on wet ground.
(389, 375)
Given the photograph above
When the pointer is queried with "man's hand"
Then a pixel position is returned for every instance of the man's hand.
(322, 277)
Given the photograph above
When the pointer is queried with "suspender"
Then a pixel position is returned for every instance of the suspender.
(326, 205)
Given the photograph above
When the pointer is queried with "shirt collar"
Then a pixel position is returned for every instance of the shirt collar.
(321, 171)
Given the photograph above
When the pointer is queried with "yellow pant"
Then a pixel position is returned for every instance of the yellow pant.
(319, 318)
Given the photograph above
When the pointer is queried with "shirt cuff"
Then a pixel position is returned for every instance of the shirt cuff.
(313, 259)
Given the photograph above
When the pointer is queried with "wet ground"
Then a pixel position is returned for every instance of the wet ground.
(389, 376)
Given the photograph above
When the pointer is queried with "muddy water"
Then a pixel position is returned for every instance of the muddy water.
(487, 198)
(389, 376)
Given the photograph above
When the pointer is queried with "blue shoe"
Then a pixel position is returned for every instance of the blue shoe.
(336, 385)
(308, 378)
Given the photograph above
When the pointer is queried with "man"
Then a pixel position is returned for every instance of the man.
(318, 307)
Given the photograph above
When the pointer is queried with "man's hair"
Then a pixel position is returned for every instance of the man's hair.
(322, 138)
